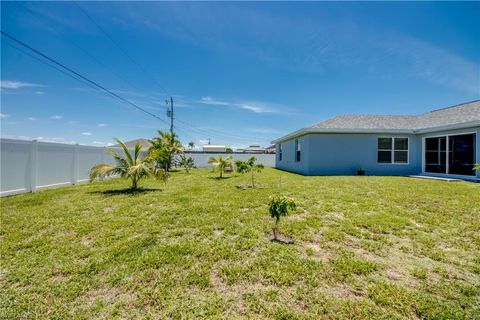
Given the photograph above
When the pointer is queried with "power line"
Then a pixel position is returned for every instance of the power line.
(47, 64)
(55, 30)
(81, 76)
(122, 50)
(216, 133)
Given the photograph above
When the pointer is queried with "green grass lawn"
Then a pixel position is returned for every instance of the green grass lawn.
(198, 247)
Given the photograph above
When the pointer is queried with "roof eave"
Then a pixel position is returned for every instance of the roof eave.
(305, 131)
(463, 125)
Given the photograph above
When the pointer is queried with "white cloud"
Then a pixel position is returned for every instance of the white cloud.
(102, 124)
(56, 117)
(255, 106)
(3, 115)
(13, 84)
(43, 139)
(86, 133)
(31, 118)
(39, 92)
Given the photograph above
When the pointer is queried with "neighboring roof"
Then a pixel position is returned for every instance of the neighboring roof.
(131, 144)
(462, 115)
(214, 146)
(254, 148)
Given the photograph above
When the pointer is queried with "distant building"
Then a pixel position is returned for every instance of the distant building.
(254, 148)
(270, 149)
(214, 148)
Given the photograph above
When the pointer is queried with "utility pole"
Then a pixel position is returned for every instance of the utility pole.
(170, 114)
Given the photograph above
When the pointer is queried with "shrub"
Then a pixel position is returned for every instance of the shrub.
(186, 163)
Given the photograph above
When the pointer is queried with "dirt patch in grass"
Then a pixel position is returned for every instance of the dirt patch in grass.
(107, 295)
(314, 250)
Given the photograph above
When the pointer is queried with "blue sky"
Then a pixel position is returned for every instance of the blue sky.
(240, 73)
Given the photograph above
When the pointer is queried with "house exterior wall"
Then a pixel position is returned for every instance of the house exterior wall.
(288, 161)
(345, 153)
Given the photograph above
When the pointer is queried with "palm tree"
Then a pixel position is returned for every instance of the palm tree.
(191, 145)
(131, 166)
(221, 163)
(164, 147)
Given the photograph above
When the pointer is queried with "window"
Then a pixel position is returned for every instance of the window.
(392, 150)
(280, 152)
(297, 151)
(400, 152)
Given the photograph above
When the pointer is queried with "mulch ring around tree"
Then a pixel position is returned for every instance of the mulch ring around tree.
(249, 186)
(280, 238)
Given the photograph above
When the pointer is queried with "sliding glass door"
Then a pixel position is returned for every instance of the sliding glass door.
(455, 157)
(436, 155)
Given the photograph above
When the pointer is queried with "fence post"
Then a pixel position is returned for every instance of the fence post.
(75, 164)
(33, 165)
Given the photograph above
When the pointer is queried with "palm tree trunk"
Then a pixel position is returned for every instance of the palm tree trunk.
(134, 183)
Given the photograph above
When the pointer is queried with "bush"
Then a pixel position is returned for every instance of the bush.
(186, 163)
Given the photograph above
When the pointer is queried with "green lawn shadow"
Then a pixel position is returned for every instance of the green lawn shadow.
(126, 191)
(219, 178)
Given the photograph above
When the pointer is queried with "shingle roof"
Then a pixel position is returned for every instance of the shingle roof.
(458, 114)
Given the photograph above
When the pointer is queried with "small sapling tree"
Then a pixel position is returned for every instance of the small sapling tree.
(249, 166)
(278, 207)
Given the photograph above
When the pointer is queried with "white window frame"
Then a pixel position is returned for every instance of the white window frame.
(297, 149)
(392, 161)
(447, 136)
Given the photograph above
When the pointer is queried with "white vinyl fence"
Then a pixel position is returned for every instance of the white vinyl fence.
(27, 166)
(201, 159)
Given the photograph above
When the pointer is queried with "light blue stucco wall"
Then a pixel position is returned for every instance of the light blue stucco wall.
(344, 154)
(288, 162)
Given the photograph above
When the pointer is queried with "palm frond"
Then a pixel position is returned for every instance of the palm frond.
(102, 170)
(125, 150)
(138, 149)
